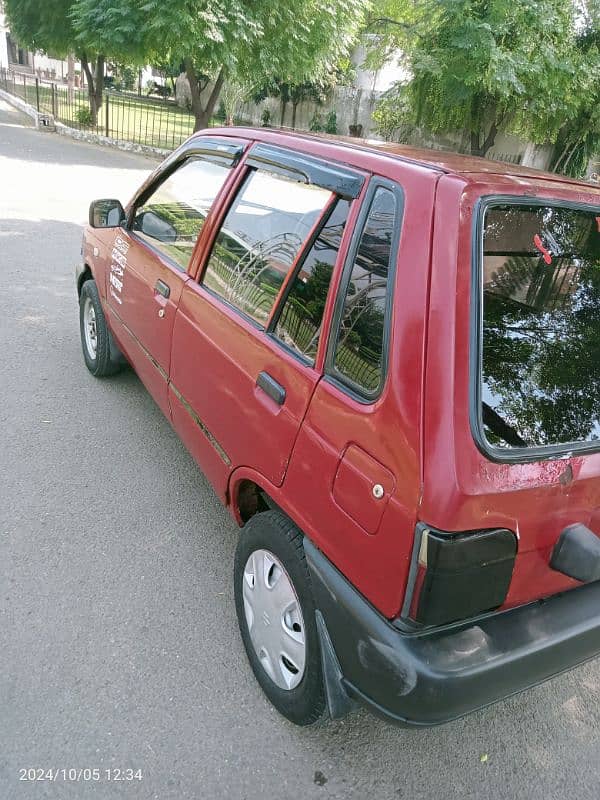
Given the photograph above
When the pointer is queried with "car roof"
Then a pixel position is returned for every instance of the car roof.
(444, 161)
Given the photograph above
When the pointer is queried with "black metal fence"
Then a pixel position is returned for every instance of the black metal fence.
(123, 116)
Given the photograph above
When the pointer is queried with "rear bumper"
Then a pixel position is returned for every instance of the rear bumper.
(434, 676)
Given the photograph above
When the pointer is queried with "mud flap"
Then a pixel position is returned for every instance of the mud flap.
(339, 703)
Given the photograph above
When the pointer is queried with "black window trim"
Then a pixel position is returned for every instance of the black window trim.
(506, 455)
(332, 374)
(343, 181)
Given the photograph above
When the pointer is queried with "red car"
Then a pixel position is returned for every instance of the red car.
(387, 362)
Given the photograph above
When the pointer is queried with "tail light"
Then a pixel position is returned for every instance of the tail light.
(455, 576)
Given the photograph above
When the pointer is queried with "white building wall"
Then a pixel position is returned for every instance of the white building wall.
(48, 67)
(379, 80)
(3, 42)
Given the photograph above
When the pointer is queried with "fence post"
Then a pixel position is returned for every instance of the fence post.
(53, 90)
(106, 96)
(37, 93)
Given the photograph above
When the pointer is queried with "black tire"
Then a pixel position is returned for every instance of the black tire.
(107, 359)
(274, 532)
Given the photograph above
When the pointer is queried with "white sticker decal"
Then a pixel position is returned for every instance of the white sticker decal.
(117, 268)
(118, 257)
(116, 282)
(122, 245)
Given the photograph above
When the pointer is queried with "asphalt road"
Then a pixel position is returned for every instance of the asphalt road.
(118, 640)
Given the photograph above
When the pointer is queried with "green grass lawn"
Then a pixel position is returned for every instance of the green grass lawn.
(157, 123)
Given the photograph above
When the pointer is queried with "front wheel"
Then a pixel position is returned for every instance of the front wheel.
(276, 615)
(100, 353)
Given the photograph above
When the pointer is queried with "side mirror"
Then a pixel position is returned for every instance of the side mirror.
(106, 214)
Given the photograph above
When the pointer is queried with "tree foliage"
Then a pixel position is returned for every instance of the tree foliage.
(251, 40)
(578, 138)
(479, 66)
(43, 26)
(52, 27)
(294, 93)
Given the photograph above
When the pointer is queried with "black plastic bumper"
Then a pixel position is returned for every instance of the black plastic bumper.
(431, 677)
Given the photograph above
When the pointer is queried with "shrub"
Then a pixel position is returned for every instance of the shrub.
(316, 122)
(331, 123)
(128, 77)
(265, 118)
(83, 116)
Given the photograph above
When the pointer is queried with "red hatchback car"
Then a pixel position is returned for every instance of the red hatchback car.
(387, 362)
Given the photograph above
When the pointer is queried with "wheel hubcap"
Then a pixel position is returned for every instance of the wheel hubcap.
(274, 619)
(89, 327)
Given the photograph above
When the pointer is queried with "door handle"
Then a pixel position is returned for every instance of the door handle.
(270, 387)
(162, 288)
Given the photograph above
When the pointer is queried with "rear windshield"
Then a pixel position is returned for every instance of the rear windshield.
(541, 326)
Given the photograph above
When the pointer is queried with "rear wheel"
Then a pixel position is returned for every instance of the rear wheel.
(100, 353)
(276, 615)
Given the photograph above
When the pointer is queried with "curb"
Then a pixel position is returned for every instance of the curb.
(21, 105)
(48, 123)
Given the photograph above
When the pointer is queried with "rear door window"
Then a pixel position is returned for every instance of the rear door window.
(359, 357)
(263, 233)
(540, 348)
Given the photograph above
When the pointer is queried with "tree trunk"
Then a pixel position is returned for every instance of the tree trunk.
(479, 148)
(202, 114)
(95, 82)
(283, 110)
(294, 109)
(90, 86)
(475, 149)
(570, 156)
(70, 78)
(489, 139)
(99, 81)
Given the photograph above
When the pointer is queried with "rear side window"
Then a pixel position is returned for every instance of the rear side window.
(261, 236)
(359, 349)
(171, 219)
(299, 325)
(540, 356)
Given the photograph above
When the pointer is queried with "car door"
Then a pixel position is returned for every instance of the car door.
(242, 375)
(354, 474)
(150, 257)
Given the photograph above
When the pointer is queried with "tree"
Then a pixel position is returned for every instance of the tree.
(50, 26)
(578, 138)
(247, 40)
(294, 93)
(479, 66)
(232, 95)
